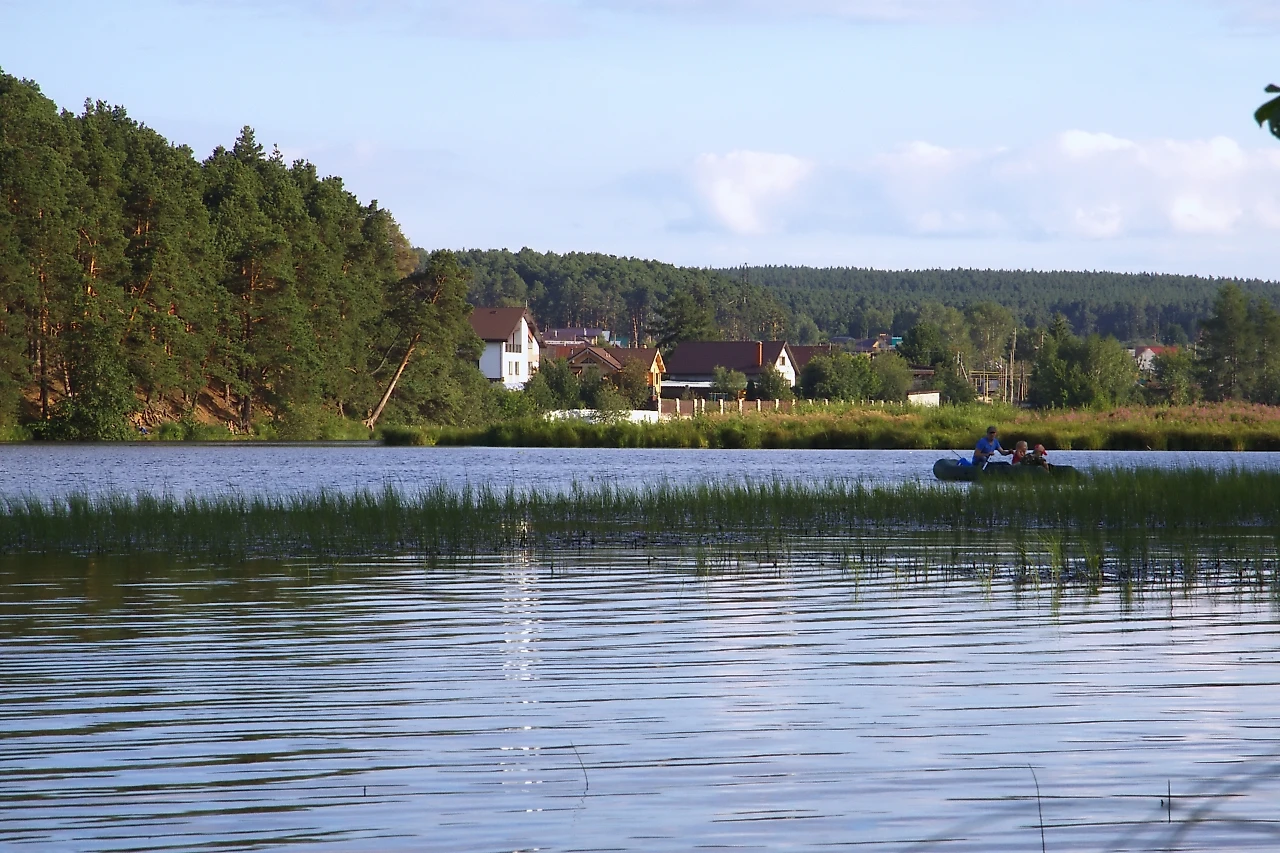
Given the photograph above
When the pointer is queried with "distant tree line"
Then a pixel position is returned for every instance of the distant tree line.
(641, 300)
(1144, 307)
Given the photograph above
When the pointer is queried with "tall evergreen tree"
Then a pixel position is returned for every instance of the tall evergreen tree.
(1228, 347)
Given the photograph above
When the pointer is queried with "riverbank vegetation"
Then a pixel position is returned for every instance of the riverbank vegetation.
(1208, 427)
(1115, 523)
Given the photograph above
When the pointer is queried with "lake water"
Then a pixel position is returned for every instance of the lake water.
(622, 702)
(60, 469)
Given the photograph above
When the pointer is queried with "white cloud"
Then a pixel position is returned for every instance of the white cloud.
(1079, 185)
(1081, 143)
(742, 188)
(1194, 214)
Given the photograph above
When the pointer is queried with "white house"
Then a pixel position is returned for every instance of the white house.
(510, 344)
(1146, 356)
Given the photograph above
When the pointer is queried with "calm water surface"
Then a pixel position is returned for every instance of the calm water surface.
(60, 469)
(621, 702)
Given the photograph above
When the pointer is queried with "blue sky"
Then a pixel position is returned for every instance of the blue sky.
(1054, 134)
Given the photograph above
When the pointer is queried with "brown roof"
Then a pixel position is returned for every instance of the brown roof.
(599, 355)
(550, 352)
(498, 324)
(803, 354)
(611, 357)
(701, 358)
(644, 355)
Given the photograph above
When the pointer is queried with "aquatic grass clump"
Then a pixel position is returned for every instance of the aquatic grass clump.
(1115, 524)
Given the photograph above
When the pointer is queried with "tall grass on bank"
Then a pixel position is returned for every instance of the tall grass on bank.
(1126, 523)
(1224, 426)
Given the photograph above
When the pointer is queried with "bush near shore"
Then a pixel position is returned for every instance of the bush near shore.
(1208, 427)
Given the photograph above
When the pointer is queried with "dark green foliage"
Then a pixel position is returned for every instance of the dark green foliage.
(1239, 352)
(1175, 380)
(730, 383)
(841, 376)
(255, 289)
(1228, 347)
(1131, 307)
(433, 347)
(892, 377)
(554, 387)
(100, 398)
(1269, 113)
(771, 385)
(688, 315)
(1070, 371)
(953, 386)
(630, 296)
(633, 384)
(923, 345)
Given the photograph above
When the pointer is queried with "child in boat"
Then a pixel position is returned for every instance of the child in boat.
(1039, 457)
(1019, 453)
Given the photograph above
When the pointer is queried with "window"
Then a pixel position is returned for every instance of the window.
(516, 366)
(512, 347)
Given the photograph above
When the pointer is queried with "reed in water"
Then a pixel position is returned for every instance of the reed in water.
(1115, 523)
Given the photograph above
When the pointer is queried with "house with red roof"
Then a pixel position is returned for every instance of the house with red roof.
(1146, 356)
(691, 365)
(511, 352)
(804, 354)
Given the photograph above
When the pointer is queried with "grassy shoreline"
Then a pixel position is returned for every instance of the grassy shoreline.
(1116, 524)
(1219, 427)
(842, 426)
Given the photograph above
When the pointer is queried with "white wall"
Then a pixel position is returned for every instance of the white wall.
(786, 368)
(512, 369)
(491, 361)
(925, 398)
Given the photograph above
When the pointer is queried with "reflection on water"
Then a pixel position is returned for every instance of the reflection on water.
(624, 701)
(61, 469)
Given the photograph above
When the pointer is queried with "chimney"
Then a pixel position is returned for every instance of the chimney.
(759, 354)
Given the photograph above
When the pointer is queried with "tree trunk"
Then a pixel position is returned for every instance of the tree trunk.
(404, 362)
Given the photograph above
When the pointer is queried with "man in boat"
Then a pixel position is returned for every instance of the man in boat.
(987, 447)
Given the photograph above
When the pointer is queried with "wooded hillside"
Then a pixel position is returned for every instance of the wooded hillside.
(627, 295)
(1130, 307)
(139, 282)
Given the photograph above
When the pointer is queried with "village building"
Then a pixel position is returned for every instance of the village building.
(577, 336)
(511, 351)
(874, 346)
(691, 365)
(802, 355)
(1146, 356)
(611, 360)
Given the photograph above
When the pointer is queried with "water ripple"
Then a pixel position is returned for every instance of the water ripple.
(613, 704)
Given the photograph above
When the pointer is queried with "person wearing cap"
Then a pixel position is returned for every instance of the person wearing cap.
(987, 447)
(1039, 456)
